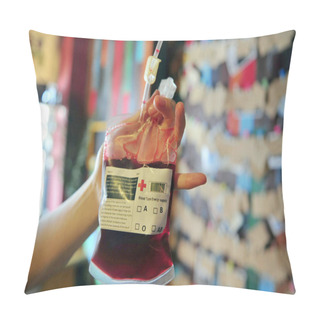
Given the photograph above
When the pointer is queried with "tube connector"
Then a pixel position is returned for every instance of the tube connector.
(167, 88)
(150, 73)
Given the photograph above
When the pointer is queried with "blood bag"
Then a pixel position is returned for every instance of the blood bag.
(138, 168)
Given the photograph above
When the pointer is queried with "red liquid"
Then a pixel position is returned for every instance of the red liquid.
(125, 255)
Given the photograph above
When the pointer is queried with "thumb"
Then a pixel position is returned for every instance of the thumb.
(165, 106)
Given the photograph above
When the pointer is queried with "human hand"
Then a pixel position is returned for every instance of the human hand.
(167, 114)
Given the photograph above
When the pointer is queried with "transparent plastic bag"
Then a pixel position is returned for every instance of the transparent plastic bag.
(139, 161)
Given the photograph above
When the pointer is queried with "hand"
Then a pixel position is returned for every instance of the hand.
(168, 114)
(168, 110)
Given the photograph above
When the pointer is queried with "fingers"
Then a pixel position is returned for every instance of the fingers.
(168, 113)
(165, 107)
(180, 122)
(149, 108)
(150, 101)
(163, 111)
(171, 114)
(189, 180)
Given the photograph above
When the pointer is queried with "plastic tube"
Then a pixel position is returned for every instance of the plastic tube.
(157, 49)
(150, 74)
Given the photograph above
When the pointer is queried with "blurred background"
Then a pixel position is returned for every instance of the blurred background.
(229, 232)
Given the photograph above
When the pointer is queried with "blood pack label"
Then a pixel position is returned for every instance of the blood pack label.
(136, 200)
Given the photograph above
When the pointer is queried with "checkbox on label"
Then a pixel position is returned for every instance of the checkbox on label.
(153, 228)
(137, 226)
(155, 210)
(139, 208)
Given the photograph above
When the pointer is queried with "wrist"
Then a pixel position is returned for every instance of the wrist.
(94, 186)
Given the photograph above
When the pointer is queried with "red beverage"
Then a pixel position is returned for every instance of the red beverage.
(132, 257)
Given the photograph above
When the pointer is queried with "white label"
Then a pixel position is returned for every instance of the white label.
(135, 200)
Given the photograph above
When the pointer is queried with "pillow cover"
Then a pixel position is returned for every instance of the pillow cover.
(228, 232)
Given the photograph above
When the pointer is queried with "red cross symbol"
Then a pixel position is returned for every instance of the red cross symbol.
(142, 185)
